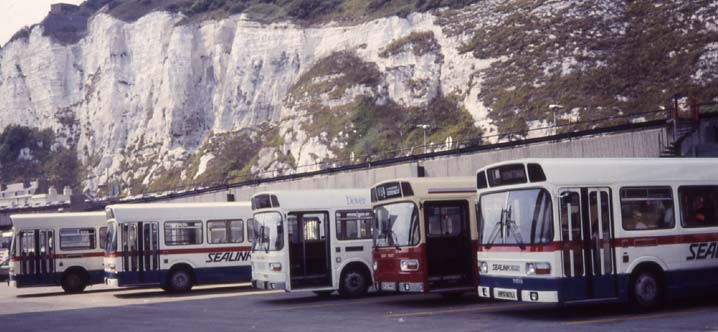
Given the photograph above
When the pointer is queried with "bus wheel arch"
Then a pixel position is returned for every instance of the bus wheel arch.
(647, 286)
(355, 280)
(75, 279)
(180, 278)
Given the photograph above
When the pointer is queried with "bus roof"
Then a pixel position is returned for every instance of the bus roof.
(588, 171)
(178, 211)
(33, 221)
(320, 199)
(436, 185)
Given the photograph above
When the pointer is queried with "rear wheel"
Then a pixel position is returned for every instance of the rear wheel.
(74, 282)
(353, 283)
(646, 291)
(180, 281)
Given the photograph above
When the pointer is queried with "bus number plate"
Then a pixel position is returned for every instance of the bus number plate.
(388, 286)
(505, 294)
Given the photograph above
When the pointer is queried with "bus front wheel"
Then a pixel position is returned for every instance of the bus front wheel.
(180, 281)
(646, 290)
(354, 283)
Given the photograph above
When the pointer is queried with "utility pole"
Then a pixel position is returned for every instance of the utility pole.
(425, 127)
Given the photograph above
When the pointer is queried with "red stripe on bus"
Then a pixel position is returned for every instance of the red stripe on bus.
(629, 242)
(62, 256)
(553, 246)
(80, 255)
(651, 241)
(453, 192)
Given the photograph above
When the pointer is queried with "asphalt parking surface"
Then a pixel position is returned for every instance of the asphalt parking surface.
(238, 307)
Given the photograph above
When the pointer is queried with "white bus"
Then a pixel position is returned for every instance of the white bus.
(425, 235)
(584, 230)
(318, 241)
(54, 249)
(5, 241)
(177, 245)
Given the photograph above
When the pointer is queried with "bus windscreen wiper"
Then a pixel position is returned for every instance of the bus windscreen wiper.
(498, 229)
(511, 226)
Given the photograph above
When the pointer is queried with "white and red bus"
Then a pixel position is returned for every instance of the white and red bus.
(57, 249)
(583, 230)
(313, 240)
(425, 235)
(178, 245)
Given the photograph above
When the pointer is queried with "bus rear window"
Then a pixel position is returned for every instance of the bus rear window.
(699, 205)
(647, 208)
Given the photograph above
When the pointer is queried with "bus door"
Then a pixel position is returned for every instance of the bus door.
(140, 252)
(309, 258)
(448, 245)
(37, 256)
(587, 244)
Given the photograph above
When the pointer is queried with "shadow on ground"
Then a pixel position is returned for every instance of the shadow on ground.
(159, 293)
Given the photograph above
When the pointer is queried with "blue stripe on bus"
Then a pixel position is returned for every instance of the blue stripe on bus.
(680, 283)
(52, 279)
(210, 275)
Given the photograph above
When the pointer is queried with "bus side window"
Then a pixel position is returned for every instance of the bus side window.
(353, 225)
(646, 208)
(179, 233)
(77, 238)
(699, 205)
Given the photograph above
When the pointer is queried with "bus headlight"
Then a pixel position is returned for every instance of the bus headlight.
(409, 265)
(376, 265)
(275, 267)
(541, 268)
(483, 267)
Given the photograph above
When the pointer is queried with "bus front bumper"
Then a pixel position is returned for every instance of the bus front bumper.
(519, 289)
(268, 285)
(111, 279)
(399, 286)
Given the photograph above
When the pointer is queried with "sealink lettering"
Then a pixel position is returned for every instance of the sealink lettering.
(704, 250)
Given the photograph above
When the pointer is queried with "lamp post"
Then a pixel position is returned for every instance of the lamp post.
(424, 127)
(553, 108)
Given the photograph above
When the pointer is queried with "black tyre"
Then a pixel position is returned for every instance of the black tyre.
(179, 281)
(324, 293)
(354, 283)
(74, 282)
(646, 291)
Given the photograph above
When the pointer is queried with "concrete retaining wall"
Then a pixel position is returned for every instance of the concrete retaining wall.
(644, 143)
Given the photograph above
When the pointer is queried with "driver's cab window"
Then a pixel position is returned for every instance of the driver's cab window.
(293, 230)
(444, 220)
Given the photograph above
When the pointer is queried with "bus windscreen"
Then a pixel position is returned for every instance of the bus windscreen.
(518, 217)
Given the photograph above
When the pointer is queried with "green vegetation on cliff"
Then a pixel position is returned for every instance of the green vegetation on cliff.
(30, 154)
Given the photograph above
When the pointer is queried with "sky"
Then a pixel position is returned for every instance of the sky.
(15, 14)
